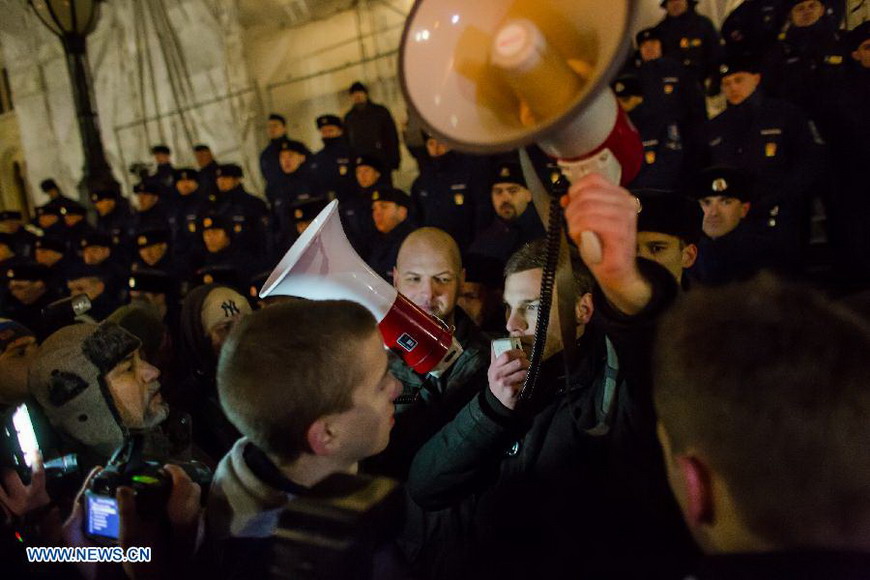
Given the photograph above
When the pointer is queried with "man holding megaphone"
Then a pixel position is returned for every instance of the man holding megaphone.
(553, 495)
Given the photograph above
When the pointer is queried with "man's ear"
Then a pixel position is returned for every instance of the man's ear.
(461, 278)
(689, 255)
(395, 277)
(403, 211)
(745, 210)
(584, 308)
(699, 490)
(320, 438)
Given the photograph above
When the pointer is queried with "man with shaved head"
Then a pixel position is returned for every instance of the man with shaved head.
(429, 272)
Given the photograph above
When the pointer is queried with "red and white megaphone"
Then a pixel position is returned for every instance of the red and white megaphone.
(494, 75)
(322, 265)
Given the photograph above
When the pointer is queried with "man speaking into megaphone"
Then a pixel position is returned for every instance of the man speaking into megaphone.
(544, 496)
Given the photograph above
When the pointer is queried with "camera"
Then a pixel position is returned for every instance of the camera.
(149, 481)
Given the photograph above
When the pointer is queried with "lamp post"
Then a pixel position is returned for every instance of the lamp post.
(72, 21)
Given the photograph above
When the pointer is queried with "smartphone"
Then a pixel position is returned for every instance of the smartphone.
(102, 521)
(26, 435)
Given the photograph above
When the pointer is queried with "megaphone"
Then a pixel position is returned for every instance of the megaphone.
(322, 265)
(493, 75)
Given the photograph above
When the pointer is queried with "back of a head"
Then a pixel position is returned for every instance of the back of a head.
(769, 383)
(284, 367)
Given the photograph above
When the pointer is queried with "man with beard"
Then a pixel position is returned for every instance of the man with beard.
(517, 222)
(95, 388)
(429, 273)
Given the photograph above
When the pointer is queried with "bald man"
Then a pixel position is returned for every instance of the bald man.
(429, 272)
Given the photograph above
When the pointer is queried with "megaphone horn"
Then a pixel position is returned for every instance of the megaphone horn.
(322, 265)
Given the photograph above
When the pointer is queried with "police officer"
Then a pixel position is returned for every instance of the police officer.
(751, 29)
(276, 128)
(208, 168)
(663, 147)
(114, 217)
(805, 66)
(29, 291)
(296, 184)
(778, 147)
(152, 210)
(300, 216)
(75, 220)
(54, 253)
(690, 38)
(371, 129)
(671, 94)
(451, 192)
(157, 289)
(100, 286)
(190, 205)
(50, 220)
(98, 249)
(516, 222)
(152, 252)
(248, 214)
(731, 248)
(356, 210)
(221, 248)
(164, 173)
(332, 166)
(390, 216)
(20, 240)
(56, 198)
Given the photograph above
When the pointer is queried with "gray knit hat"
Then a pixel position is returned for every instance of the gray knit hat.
(66, 378)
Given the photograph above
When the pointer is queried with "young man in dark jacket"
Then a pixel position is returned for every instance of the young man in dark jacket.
(574, 485)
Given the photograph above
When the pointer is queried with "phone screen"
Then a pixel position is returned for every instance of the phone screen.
(26, 435)
(102, 518)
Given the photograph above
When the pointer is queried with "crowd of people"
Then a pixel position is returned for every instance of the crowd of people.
(708, 417)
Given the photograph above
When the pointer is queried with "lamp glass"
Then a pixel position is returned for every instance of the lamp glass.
(67, 17)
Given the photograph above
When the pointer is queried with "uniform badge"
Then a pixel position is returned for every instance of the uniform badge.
(554, 177)
(770, 149)
(834, 59)
(505, 172)
(720, 185)
(376, 196)
(10, 273)
(696, 42)
(458, 198)
(298, 214)
(342, 169)
(669, 89)
(208, 279)
(207, 222)
(117, 240)
(650, 157)
(253, 291)
(142, 240)
(684, 43)
(191, 227)
(237, 228)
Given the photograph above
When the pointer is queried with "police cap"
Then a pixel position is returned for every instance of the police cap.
(100, 239)
(627, 85)
(149, 186)
(647, 34)
(738, 64)
(370, 161)
(219, 274)
(72, 209)
(29, 270)
(230, 170)
(48, 184)
(508, 172)
(326, 120)
(152, 236)
(51, 243)
(277, 117)
(306, 210)
(161, 149)
(722, 181)
(392, 194)
(103, 194)
(185, 173)
(150, 280)
(294, 146)
(80, 270)
(215, 221)
(358, 86)
(52, 209)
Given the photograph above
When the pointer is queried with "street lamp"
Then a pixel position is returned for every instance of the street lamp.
(72, 21)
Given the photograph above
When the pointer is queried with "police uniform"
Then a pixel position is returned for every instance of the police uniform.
(751, 29)
(188, 213)
(356, 211)
(270, 167)
(116, 262)
(118, 223)
(692, 40)
(290, 189)
(164, 173)
(233, 257)
(58, 229)
(741, 252)
(30, 315)
(109, 300)
(207, 173)
(781, 150)
(371, 130)
(247, 213)
(332, 166)
(299, 216)
(805, 67)
(502, 237)
(73, 234)
(56, 279)
(384, 249)
(451, 194)
(150, 237)
(61, 200)
(21, 241)
(159, 282)
(157, 217)
(661, 137)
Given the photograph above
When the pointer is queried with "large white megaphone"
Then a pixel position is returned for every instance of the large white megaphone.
(322, 265)
(492, 75)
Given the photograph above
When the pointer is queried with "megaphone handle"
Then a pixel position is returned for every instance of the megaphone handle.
(605, 163)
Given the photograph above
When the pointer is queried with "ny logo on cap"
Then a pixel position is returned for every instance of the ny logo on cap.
(720, 185)
(229, 307)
